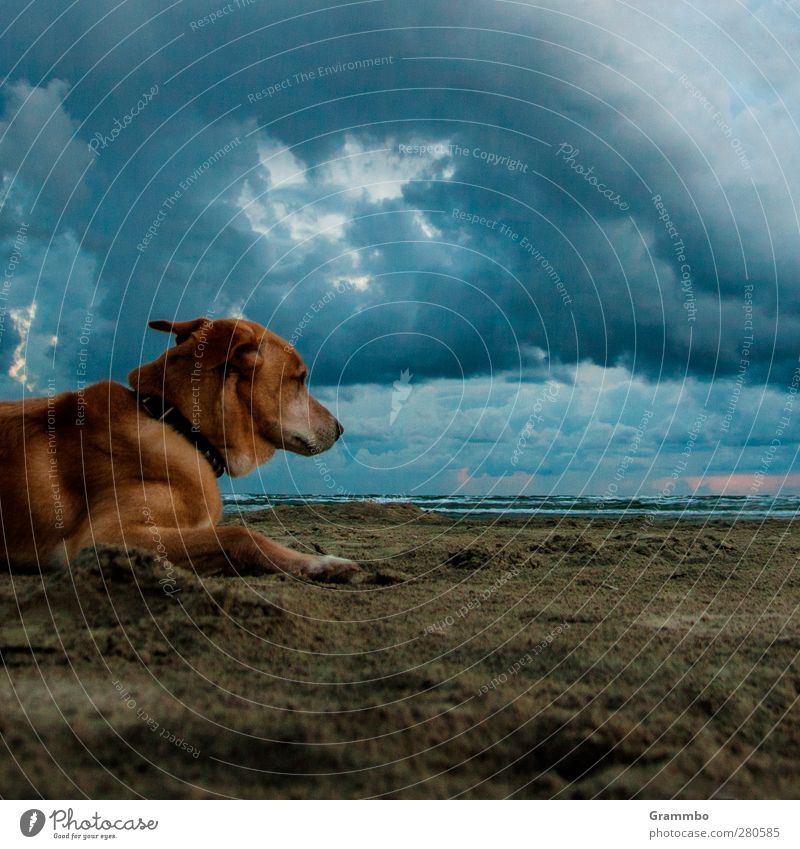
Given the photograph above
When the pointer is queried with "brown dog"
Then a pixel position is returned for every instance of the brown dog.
(139, 467)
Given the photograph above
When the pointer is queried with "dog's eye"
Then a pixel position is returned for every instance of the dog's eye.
(302, 378)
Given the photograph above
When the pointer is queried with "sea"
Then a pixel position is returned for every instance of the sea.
(675, 507)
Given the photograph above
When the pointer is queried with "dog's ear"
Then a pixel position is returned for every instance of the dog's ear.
(182, 329)
(212, 343)
(201, 344)
(245, 356)
(231, 343)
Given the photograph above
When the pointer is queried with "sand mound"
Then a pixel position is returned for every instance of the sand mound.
(132, 577)
(345, 513)
(131, 603)
(471, 557)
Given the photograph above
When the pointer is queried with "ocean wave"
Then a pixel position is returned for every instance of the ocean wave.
(694, 506)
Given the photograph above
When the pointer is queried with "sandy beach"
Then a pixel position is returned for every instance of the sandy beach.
(477, 658)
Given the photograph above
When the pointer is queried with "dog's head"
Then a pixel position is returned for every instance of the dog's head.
(242, 387)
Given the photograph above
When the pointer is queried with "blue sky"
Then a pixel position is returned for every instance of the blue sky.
(522, 250)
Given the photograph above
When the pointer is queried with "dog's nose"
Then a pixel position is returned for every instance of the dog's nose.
(339, 428)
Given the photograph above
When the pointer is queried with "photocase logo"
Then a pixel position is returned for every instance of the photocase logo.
(31, 822)
(401, 389)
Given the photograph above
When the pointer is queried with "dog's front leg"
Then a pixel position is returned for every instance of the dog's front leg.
(223, 550)
(259, 553)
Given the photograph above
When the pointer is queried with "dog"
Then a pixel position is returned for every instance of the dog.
(139, 466)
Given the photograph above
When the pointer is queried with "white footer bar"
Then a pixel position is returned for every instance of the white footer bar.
(401, 825)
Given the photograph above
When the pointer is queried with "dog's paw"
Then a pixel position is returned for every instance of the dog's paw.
(331, 569)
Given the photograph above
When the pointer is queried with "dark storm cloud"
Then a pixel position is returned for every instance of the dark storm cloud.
(592, 274)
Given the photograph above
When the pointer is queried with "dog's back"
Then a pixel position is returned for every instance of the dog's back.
(31, 508)
(56, 459)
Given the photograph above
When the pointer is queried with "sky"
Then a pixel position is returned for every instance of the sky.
(523, 248)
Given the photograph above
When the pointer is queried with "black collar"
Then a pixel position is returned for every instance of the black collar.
(163, 411)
